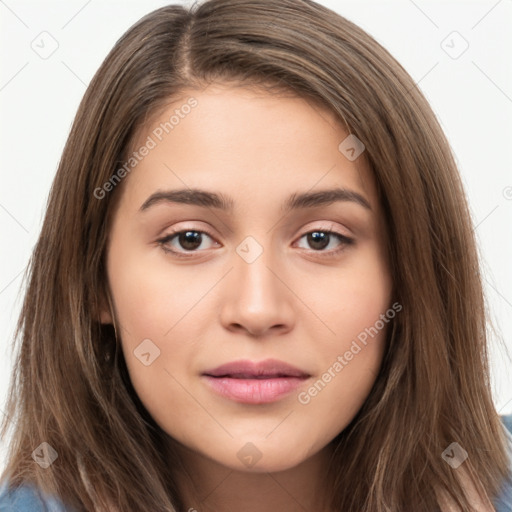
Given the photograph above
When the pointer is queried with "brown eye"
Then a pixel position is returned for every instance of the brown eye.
(184, 241)
(320, 239)
(189, 240)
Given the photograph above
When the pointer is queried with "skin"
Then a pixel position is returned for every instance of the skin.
(295, 302)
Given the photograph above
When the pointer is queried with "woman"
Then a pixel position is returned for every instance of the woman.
(256, 285)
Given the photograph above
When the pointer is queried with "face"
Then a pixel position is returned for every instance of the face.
(290, 292)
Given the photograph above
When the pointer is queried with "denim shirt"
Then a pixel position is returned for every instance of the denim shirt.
(503, 502)
(26, 499)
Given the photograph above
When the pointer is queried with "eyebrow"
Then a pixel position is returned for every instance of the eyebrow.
(295, 201)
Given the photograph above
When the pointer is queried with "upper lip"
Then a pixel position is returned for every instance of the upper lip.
(250, 370)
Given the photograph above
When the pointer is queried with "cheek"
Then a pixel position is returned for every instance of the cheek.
(351, 298)
(351, 351)
(151, 296)
(152, 303)
(156, 348)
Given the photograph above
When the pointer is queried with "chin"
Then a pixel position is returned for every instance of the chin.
(260, 456)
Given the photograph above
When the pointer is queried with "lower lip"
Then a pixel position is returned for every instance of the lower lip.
(254, 391)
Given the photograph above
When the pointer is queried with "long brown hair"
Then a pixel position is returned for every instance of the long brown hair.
(70, 386)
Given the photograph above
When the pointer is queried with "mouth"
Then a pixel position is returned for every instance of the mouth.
(255, 383)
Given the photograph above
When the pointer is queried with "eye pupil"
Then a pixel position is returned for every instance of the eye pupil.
(190, 240)
(318, 239)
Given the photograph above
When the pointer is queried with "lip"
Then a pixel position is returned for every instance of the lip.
(255, 382)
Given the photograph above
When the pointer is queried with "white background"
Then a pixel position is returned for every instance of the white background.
(471, 95)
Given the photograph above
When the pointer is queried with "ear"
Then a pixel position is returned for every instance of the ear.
(105, 316)
(104, 313)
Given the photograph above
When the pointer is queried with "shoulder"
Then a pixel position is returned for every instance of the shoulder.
(27, 499)
(504, 501)
(507, 421)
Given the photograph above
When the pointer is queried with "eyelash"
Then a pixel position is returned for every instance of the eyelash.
(345, 241)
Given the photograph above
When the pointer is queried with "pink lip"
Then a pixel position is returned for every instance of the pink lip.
(255, 383)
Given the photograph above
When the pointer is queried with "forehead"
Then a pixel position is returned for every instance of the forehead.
(246, 142)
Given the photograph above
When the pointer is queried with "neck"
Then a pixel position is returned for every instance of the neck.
(206, 486)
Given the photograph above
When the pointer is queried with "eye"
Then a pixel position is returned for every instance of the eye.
(319, 239)
(186, 242)
(189, 240)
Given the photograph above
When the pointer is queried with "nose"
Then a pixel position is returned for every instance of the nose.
(257, 299)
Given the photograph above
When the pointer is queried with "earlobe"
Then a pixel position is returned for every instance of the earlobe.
(105, 316)
(105, 308)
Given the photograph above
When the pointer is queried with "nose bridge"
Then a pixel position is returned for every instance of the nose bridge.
(257, 299)
(252, 268)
